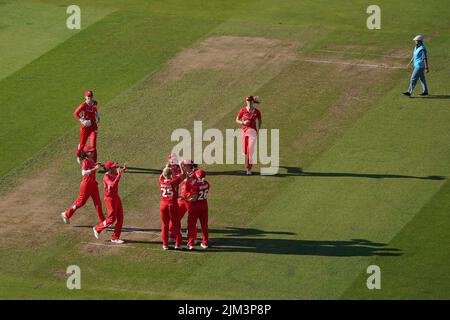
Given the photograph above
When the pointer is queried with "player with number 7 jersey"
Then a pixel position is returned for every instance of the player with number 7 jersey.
(169, 207)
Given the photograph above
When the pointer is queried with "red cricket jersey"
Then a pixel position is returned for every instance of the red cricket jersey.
(88, 164)
(111, 183)
(89, 113)
(169, 188)
(200, 188)
(252, 116)
(176, 171)
(186, 185)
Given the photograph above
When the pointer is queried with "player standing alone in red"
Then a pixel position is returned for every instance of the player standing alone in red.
(89, 118)
(169, 207)
(250, 119)
(198, 209)
(88, 187)
(113, 203)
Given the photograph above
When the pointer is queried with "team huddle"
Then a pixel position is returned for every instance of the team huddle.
(182, 184)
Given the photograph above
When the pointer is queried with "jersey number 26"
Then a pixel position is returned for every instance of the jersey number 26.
(203, 195)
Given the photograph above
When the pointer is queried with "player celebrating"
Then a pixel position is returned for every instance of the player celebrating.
(111, 181)
(198, 210)
(89, 118)
(183, 205)
(173, 164)
(88, 187)
(169, 207)
(250, 119)
(186, 187)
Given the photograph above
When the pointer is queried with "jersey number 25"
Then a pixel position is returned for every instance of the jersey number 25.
(166, 192)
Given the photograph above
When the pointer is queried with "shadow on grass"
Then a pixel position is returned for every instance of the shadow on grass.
(295, 172)
(329, 248)
(227, 231)
(298, 172)
(252, 240)
(139, 170)
(434, 96)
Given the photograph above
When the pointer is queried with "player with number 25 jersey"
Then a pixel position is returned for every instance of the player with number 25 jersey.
(169, 207)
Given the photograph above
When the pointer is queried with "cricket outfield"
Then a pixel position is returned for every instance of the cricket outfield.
(363, 176)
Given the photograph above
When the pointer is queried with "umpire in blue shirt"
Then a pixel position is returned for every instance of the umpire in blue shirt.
(420, 60)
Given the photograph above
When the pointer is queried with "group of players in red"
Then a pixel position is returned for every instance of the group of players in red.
(193, 198)
(88, 116)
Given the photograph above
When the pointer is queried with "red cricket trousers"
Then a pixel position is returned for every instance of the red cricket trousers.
(87, 190)
(115, 215)
(248, 145)
(85, 133)
(169, 215)
(183, 207)
(198, 211)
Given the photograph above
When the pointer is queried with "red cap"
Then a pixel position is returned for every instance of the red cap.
(89, 149)
(250, 98)
(109, 164)
(200, 173)
(89, 93)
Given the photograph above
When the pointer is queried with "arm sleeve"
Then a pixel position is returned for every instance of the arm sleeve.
(258, 114)
(177, 180)
(424, 54)
(77, 111)
(239, 114)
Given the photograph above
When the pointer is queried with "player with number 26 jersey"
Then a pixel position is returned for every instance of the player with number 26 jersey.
(198, 210)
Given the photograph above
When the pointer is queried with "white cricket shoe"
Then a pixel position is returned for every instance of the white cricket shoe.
(96, 234)
(248, 172)
(118, 241)
(64, 218)
(177, 247)
(191, 247)
(165, 247)
(204, 246)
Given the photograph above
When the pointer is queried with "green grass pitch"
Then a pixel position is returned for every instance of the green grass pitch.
(364, 171)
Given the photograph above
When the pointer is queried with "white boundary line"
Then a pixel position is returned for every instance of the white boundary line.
(353, 64)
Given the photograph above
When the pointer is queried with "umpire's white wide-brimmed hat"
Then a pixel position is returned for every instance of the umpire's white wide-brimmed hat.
(418, 38)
